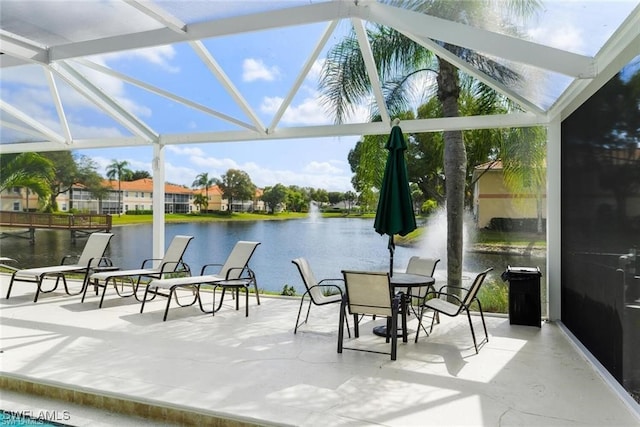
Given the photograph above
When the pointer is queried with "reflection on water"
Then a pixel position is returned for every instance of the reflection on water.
(330, 246)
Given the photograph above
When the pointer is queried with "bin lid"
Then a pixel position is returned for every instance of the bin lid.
(520, 272)
(525, 270)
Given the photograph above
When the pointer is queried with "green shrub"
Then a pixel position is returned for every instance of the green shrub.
(288, 290)
(429, 207)
(494, 297)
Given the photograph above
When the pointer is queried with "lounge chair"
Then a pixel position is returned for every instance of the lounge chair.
(172, 262)
(4, 259)
(451, 304)
(315, 291)
(369, 293)
(92, 256)
(233, 274)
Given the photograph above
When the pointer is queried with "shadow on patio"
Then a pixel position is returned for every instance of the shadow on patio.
(198, 369)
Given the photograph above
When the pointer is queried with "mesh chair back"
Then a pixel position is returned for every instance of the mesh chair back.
(475, 287)
(368, 293)
(423, 266)
(309, 280)
(175, 252)
(94, 248)
(238, 259)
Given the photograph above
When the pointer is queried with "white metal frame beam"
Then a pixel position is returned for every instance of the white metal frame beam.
(30, 121)
(107, 104)
(372, 70)
(160, 15)
(293, 16)
(286, 102)
(487, 42)
(25, 50)
(163, 93)
(226, 82)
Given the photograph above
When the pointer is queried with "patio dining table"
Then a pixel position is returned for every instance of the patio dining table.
(401, 282)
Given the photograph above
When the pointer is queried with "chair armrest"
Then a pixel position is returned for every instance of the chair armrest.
(439, 294)
(67, 257)
(175, 267)
(144, 263)
(204, 267)
(453, 287)
(330, 280)
(319, 285)
(100, 262)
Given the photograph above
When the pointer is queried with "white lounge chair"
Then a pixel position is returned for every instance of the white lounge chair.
(172, 262)
(234, 273)
(92, 255)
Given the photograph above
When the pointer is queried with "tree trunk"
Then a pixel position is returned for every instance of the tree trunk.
(455, 165)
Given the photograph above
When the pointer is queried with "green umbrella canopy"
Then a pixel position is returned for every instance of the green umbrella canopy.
(395, 207)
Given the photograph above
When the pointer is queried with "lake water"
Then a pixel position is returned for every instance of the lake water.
(330, 245)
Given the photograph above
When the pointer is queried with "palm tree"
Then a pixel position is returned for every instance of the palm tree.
(201, 201)
(401, 63)
(203, 180)
(118, 170)
(29, 170)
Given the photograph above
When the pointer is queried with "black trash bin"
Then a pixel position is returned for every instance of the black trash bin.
(524, 295)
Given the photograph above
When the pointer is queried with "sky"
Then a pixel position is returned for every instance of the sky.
(263, 67)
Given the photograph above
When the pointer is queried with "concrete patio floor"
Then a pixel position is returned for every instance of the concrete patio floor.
(105, 366)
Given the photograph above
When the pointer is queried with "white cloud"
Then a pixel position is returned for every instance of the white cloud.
(255, 69)
(566, 37)
(316, 68)
(185, 150)
(160, 56)
(329, 175)
(308, 112)
(321, 168)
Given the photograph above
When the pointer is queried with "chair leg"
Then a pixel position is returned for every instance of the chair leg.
(419, 324)
(473, 334)
(346, 320)
(84, 293)
(255, 287)
(166, 309)
(356, 326)
(295, 330)
(341, 325)
(404, 320)
(13, 276)
(484, 325)
(38, 287)
(144, 299)
(394, 329)
(246, 301)
(104, 291)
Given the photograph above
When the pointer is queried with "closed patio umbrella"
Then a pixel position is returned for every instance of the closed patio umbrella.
(395, 207)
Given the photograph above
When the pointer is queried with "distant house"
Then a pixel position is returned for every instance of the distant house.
(135, 196)
(494, 206)
(216, 202)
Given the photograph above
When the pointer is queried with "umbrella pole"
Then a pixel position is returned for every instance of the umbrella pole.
(392, 247)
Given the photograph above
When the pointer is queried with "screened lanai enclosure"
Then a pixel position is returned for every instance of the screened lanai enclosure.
(80, 75)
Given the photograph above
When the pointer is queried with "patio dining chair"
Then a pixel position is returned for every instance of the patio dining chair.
(233, 274)
(316, 291)
(171, 263)
(368, 293)
(417, 295)
(451, 304)
(92, 256)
